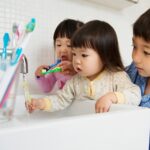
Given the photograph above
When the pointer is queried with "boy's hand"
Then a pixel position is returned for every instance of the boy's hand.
(104, 103)
(67, 67)
(35, 104)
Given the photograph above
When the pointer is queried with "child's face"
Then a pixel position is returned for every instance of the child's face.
(87, 62)
(63, 49)
(141, 56)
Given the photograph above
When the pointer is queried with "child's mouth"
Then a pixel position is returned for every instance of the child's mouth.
(63, 58)
(78, 69)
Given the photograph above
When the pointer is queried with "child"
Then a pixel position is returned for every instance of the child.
(61, 37)
(139, 70)
(100, 75)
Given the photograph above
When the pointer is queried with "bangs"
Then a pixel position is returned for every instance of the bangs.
(82, 41)
(137, 31)
(64, 33)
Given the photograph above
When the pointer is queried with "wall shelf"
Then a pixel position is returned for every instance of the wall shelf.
(116, 4)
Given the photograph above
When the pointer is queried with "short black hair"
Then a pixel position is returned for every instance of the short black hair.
(141, 27)
(66, 28)
(101, 37)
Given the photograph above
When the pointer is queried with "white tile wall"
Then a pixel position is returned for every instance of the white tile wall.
(48, 14)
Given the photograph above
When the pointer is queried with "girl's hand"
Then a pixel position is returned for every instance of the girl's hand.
(38, 72)
(67, 67)
(35, 104)
(104, 103)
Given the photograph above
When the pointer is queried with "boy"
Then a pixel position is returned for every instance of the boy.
(139, 70)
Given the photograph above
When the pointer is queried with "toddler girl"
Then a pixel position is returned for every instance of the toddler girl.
(61, 37)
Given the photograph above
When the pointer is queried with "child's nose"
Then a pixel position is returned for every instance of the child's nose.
(137, 57)
(64, 49)
(77, 60)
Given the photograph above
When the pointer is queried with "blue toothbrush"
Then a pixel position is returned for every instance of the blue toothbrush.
(52, 65)
(6, 40)
(55, 64)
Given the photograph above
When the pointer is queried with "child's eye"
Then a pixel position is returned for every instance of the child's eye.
(84, 55)
(73, 54)
(69, 46)
(134, 47)
(146, 53)
(58, 45)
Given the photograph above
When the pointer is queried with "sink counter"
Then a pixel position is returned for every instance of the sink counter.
(77, 127)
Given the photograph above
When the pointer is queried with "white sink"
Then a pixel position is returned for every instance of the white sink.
(77, 127)
(77, 108)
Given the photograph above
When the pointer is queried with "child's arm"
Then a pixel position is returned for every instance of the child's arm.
(104, 103)
(125, 93)
(46, 82)
(51, 103)
(35, 104)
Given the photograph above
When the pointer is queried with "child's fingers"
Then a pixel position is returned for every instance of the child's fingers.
(38, 104)
(28, 107)
(38, 71)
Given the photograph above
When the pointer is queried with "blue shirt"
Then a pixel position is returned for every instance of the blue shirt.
(141, 82)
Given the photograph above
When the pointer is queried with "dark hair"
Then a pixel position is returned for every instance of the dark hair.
(101, 37)
(141, 27)
(66, 28)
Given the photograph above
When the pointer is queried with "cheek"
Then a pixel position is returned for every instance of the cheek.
(147, 66)
(70, 55)
(133, 55)
(57, 53)
(73, 62)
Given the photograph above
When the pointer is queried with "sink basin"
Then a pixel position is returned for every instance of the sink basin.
(77, 108)
(77, 127)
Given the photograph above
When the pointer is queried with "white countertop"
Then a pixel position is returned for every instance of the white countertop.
(77, 109)
(77, 127)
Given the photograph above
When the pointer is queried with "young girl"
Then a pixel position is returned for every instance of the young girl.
(139, 70)
(100, 74)
(61, 37)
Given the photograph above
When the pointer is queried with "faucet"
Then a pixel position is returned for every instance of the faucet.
(24, 71)
(24, 65)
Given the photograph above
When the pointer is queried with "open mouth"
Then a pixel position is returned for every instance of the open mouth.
(64, 58)
(78, 69)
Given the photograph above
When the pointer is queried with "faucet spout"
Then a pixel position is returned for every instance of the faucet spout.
(24, 65)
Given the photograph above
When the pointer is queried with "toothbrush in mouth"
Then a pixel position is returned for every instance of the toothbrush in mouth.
(55, 64)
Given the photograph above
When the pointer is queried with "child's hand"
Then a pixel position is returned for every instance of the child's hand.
(38, 72)
(67, 67)
(35, 104)
(104, 103)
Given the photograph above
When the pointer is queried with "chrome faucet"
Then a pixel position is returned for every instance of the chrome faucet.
(24, 65)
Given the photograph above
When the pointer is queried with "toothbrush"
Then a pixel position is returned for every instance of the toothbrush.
(55, 64)
(29, 28)
(56, 69)
(24, 34)
(6, 40)
(9, 73)
(3, 63)
(15, 35)
(31, 25)
(52, 65)
(16, 56)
